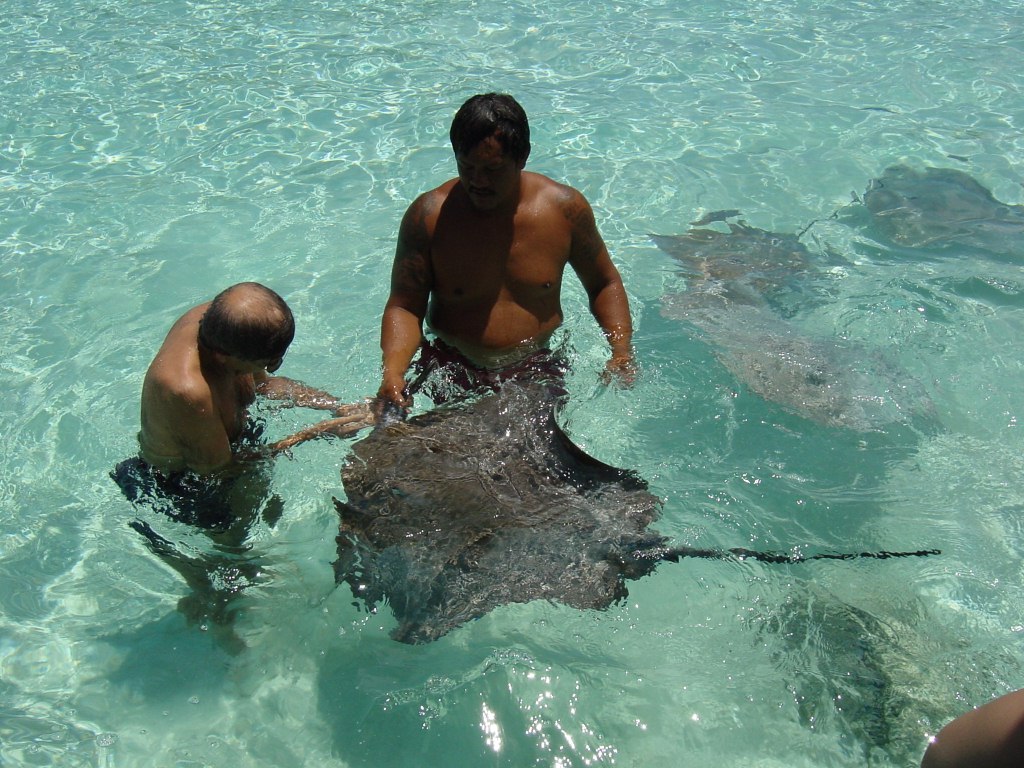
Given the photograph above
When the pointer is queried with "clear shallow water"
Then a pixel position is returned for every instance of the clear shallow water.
(152, 154)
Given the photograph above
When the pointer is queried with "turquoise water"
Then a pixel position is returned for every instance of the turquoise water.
(152, 153)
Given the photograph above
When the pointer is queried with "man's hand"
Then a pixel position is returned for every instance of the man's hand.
(390, 406)
(620, 369)
(393, 391)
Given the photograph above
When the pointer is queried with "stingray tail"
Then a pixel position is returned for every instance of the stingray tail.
(675, 554)
(644, 554)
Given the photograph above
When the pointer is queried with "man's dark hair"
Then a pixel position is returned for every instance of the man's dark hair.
(492, 114)
(248, 321)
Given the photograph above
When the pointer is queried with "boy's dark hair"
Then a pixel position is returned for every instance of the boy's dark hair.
(492, 114)
(248, 321)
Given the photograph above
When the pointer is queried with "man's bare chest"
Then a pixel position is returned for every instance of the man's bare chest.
(479, 263)
(493, 275)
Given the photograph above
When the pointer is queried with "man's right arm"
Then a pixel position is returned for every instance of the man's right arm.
(402, 323)
(356, 416)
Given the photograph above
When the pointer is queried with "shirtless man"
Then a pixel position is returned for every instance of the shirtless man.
(215, 360)
(481, 257)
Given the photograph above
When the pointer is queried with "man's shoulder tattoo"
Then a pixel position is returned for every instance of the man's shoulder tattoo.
(586, 240)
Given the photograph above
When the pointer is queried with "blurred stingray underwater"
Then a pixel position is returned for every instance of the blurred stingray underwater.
(942, 209)
(733, 280)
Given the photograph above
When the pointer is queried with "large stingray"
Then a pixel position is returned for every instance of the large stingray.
(462, 509)
(943, 207)
(733, 278)
(468, 507)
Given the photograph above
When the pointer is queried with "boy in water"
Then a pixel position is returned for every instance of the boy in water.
(216, 358)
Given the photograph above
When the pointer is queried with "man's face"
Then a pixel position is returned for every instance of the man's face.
(241, 365)
(270, 365)
(489, 176)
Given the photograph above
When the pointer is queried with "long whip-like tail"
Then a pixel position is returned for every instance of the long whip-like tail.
(649, 554)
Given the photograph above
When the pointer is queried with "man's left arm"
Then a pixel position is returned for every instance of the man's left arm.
(609, 303)
(300, 394)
